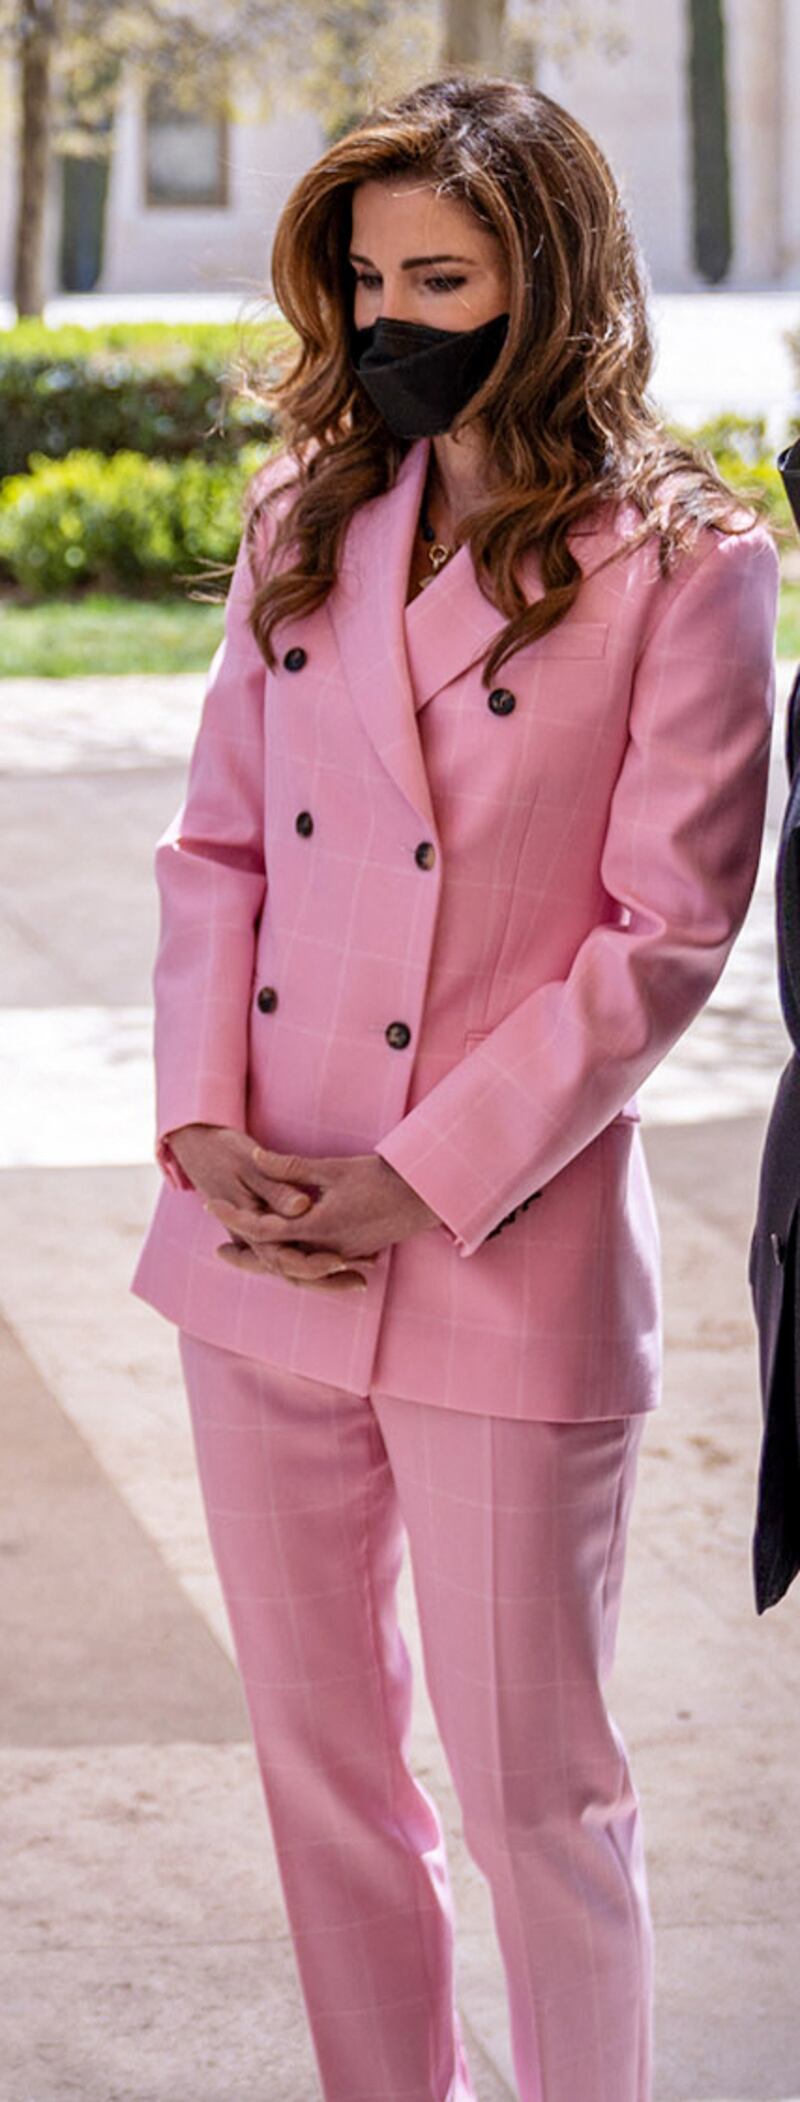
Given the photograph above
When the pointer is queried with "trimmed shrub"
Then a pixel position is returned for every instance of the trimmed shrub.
(740, 452)
(761, 480)
(746, 436)
(132, 523)
(123, 524)
(153, 389)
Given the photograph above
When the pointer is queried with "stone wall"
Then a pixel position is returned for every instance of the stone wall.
(199, 248)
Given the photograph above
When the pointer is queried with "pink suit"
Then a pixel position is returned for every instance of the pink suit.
(595, 849)
(540, 884)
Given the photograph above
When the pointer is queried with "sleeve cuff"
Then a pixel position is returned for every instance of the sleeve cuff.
(416, 1181)
(170, 1116)
(170, 1167)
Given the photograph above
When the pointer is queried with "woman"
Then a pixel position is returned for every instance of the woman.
(472, 822)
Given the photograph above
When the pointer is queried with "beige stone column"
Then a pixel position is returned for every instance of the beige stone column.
(637, 108)
(789, 258)
(756, 92)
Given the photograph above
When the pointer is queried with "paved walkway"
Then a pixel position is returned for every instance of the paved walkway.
(146, 1957)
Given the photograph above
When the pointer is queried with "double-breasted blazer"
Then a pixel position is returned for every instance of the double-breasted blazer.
(774, 1264)
(458, 927)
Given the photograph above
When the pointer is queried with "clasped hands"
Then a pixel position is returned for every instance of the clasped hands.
(318, 1223)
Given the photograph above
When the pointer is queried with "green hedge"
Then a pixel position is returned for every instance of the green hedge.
(761, 480)
(131, 523)
(153, 389)
(729, 433)
(123, 524)
(742, 455)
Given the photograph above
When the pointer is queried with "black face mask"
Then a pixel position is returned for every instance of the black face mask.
(421, 378)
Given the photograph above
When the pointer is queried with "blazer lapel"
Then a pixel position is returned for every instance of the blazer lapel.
(366, 608)
(450, 625)
(393, 653)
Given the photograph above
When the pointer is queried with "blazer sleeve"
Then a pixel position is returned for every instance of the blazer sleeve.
(211, 876)
(680, 856)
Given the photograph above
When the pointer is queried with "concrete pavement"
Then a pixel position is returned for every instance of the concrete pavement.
(146, 1957)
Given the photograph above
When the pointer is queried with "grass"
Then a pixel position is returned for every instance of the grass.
(69, 637)
(64, 638)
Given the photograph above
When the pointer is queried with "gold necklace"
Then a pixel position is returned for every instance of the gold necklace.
(438, 553)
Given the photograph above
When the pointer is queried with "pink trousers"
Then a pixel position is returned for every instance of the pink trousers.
(516, 1534)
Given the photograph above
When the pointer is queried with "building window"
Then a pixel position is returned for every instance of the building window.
(185, 153)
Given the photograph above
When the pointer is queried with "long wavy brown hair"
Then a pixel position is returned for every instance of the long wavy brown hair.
(565, 412)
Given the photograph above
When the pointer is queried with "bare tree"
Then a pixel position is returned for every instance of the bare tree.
(473, 33)
(499, 36)
(69, 57)
(38, 29)
(337, 60)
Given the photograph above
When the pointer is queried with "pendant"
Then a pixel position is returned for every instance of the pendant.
(438, 555)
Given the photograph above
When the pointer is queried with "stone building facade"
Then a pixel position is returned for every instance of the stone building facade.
(639, 109)
(191, 207)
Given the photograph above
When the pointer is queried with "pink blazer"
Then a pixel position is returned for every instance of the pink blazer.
(591, 831)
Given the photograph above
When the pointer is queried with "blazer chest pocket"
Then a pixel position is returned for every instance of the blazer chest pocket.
(570, 639)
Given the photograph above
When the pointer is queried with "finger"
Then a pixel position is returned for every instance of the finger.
(291, 1167)
(243, 1258)
(319, 1262)
(238, 1218)
(280, 1192)
(282, 1197)
(289, 1260)
(263, 1229)
(281, 1256)
(344, 1282)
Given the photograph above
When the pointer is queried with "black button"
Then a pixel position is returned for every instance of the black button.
(425, 854)
(267, 999)
(398, 1035)
(295, 659)
(511, 1216)
(501, 701)
(304, 823)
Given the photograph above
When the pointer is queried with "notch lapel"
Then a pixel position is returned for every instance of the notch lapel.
(392, 653)
(450, 625)
(366, 609)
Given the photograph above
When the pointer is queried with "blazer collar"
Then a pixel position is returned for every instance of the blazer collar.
(392, 653)
(366, 608)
